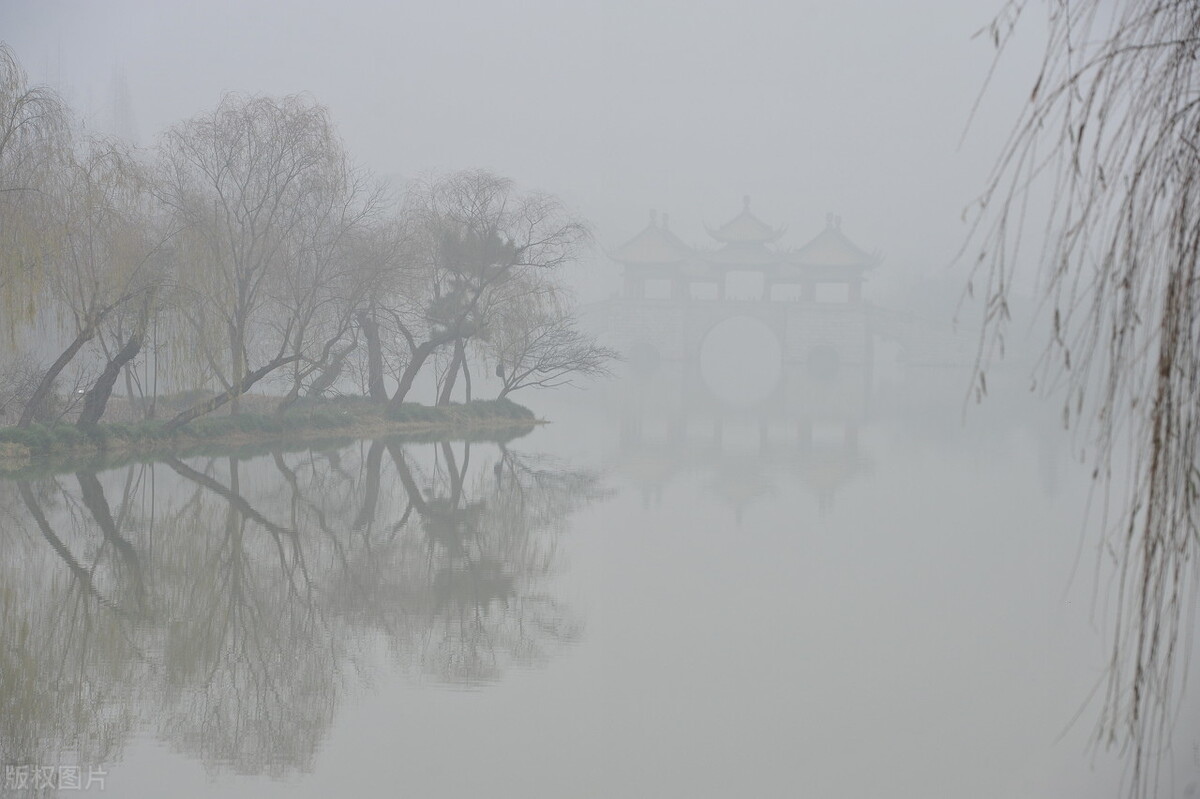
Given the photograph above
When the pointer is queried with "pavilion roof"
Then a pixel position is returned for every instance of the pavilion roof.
(745, 228)
(655, 244)
(830, 247)
(742, 254)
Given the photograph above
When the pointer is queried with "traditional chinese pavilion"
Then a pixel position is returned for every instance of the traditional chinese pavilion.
(828, 269)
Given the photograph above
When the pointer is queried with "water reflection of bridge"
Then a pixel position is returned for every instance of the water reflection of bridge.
(809, 430)
(744, 359)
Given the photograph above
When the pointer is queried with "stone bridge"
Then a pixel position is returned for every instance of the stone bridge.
(787, 322)
(676, 330)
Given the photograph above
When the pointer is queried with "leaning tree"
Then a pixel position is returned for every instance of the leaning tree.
(108, 261)
(534, 339)
(473, 233)
(243, 182)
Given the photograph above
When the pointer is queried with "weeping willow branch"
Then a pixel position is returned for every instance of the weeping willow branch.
(1112, 129)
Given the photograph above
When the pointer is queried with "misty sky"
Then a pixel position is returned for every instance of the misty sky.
(854, 107)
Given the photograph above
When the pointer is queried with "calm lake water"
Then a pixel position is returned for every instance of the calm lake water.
(644, 598)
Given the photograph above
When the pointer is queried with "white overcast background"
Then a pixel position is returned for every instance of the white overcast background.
(855, 107)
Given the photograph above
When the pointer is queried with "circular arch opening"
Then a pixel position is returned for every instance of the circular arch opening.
(741, 361)
(823, 362)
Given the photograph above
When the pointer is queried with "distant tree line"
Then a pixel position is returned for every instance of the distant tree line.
(245, 247)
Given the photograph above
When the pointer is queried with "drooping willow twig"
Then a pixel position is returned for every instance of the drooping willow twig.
(1112, 129)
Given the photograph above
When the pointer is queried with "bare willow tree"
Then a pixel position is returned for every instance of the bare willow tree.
(1112, 127)
(535, 341)
(241, 181)
(332, 266)
(108, 257)
(475, 233)
(394, 294)
(34, 142)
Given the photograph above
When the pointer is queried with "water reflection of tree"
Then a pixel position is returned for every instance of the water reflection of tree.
(464, 594)
(69, 602)
(248, 667)
(227, 605)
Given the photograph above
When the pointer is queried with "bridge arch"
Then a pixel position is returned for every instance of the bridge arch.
(740, 361)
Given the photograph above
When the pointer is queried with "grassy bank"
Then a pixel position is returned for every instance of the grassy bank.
(327, 421)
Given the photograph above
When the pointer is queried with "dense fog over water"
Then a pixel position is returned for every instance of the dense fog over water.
(552, 399)
(640, 597)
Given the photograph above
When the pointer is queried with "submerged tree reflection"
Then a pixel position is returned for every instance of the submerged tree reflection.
(225, 602)
(485, 551)
(66, 648)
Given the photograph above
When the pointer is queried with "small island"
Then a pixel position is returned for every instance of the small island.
(64, 447)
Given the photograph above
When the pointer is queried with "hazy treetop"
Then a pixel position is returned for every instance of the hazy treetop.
(850, 106)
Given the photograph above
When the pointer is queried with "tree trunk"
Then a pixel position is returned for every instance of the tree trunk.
(420, 355)
(456, 476)
(329, 375)
(452, 373)
(375, 387)
(238, 366)
(93, 498)
(366, 513)
(466, 369)
(210, 405)
(154, 350)
(84, 576)
(128, 374)
(289, 399)
(43, 389)
(231, 494)
(332, 372)
(96, 400)
(406, 478)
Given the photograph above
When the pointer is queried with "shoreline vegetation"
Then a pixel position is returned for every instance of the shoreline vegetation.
(248, 251)
(67, 447)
